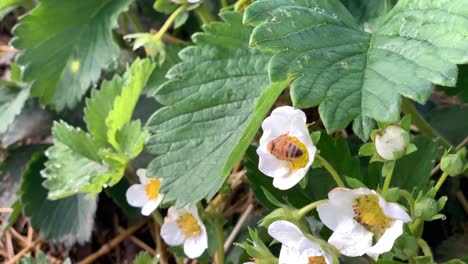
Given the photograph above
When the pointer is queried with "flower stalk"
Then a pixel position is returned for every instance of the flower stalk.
(306, 209)
(441, 181)
(409, 198)
(170, 21)
(388, 179)
(425, 248)
(331, 170)
(220, 238)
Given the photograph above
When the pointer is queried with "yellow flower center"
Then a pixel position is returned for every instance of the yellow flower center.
(368, 212)
(152, 189)
(317, 260)
(188, 225)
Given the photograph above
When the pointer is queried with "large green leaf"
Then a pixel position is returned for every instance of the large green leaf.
(67, 220)
(354, 74)
(65, 45)
(462, 84)
(451, 122)
(11, 103)
(216, 98)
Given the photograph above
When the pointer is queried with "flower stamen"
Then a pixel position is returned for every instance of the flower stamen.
(152, 189)
(368, 213)
(188, 225)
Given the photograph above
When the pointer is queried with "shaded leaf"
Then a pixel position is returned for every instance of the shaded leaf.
(65, 44)
(216, 99)
(450, 122)
(65, 221)
(11, 104)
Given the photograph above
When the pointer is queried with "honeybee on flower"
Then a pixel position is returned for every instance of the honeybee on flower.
(286, 150)
(146, 194)
(183, 226)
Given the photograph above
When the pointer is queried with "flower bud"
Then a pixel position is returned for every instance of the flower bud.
(391, 143)
(454, 164)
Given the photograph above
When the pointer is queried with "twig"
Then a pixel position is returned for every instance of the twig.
(19, 237)
(458, 147)
(143, 245)
(106, 248)
(462, 199)
(22, 252)
(9, 245)
(160, 246)
(30, 235)
(238, 226)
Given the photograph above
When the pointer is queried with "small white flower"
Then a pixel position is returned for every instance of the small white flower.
(185, 227)
(286, 151)
(146, 194)
(391, 143)
(296, 247)
(189, 1)
(360, 216)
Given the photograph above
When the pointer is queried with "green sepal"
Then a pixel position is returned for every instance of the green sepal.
(367, 149)
(354, 183)
(256, 248)
(410, 148)
(405, 123)
(315, 136)
(303, 182)
(392, 194)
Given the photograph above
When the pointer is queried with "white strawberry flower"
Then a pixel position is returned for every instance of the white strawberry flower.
(391, 143)
(360, 216)
(285, 126)
(184, 226)
(297, 248)
(146, 194)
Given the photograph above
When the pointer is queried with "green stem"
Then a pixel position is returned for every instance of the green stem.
(135, 22)
(417, 227)
(224, 3)
(388, 179)
(306, 209)
(441, 181)
(239, 6)
(220, 238)
(409, 198)
(331, 170)
(169, 21)
(204, 14)
(418, 120)
(158, 218)
(425, 248)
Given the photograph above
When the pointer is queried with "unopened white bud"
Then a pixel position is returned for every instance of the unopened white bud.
(391, 143)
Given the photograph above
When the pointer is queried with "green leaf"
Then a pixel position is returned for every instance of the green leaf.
(73, 162)
(131, 139)
(450, 122)
(65, 44)
(145, 258)
(11, 104)
(362, 127)
(412, 172)
(216, 99)
(121, 113)
(368, 13)
(367, 149)
(65, 221)
(352, 73)
(158, 76)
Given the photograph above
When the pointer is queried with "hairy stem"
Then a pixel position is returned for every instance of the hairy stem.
(425, 248)
(409, 198)
(220, 238)
(441, 181)
(158, 218)
(170, 21)
(418, 120)
(306, 209)
(388, 179)
(331, 170)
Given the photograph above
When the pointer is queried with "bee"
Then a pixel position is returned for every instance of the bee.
(283, 149)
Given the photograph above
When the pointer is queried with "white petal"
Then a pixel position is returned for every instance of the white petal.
(338, 208)
(288, 181)
(172, 215)
(271, 166)
(351, 242)
(141, 173)
(273, 127)
(289, 113)
(194, 246)
(136, 195)
(285, 232)
(393, 210)
(289, 255)
(193, 1)
(171, 234)
(328, 259)
(194, 211)
(385, 242)
(150, 206)
(309, 247)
